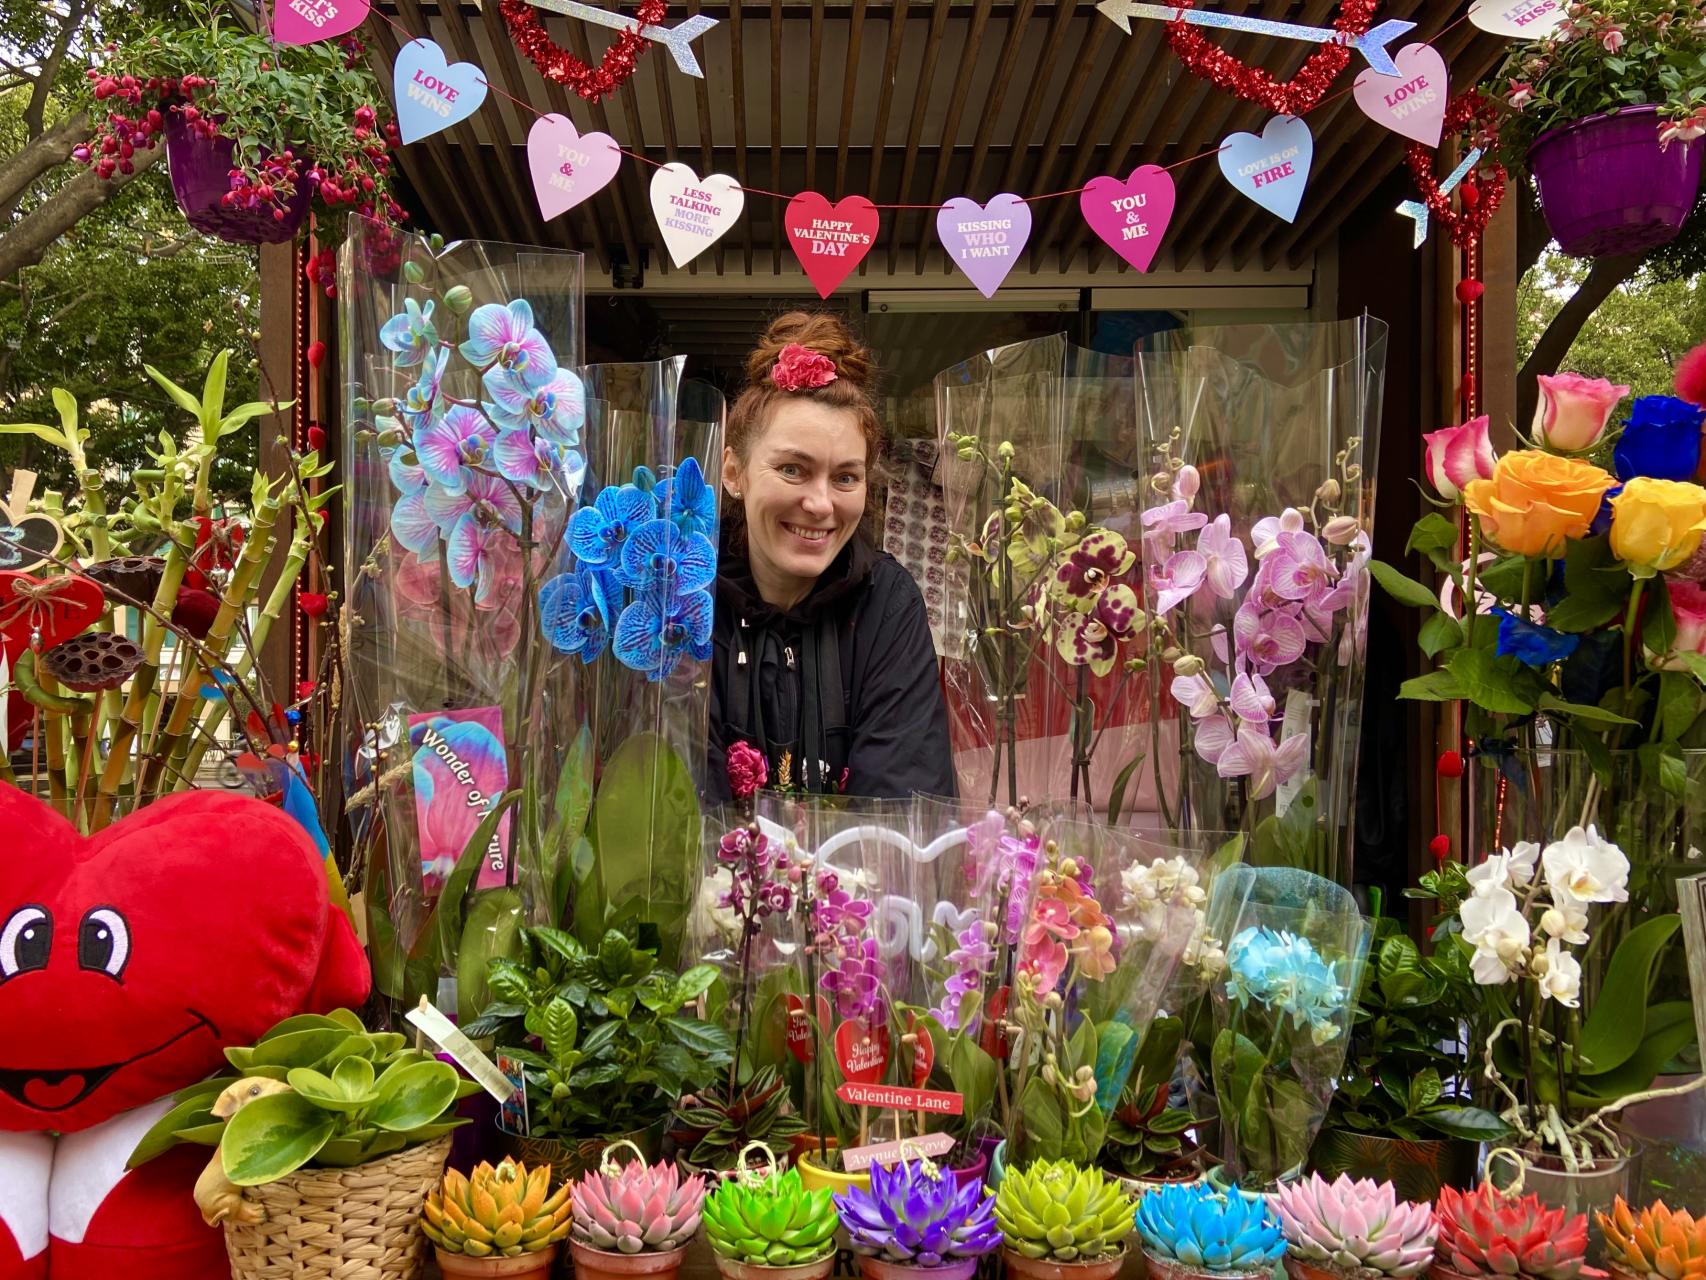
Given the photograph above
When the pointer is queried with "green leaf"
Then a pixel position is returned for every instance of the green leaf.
(1439, 633)
(452, 898)
(569, 810)
(1494, 684)
(1116, 1049)
(1436, 686)
(345, 1090)
(491, 931)
(213, 395)
(699, 1037)
(1503, 578)
(241, 416)
(1679, 704)
(183, 399)
(1425, 1089)
(1116, 793)
(1577, 614)
(1472, 1124)
(1433, 532)
(1581, 711)
(1614, 1027)
(693, 984)
(560, 1028)
(162, 1134)
(52, 435)
(273, 1136)
(413, 1095)
(1403, 589)
(973, 1072)
(296, 1049)
(1668, 1027)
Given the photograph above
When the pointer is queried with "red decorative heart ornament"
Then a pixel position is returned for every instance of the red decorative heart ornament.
(862, 1051)
(1474, 118)
(554, 62)
(1207, 60)
(39, 613)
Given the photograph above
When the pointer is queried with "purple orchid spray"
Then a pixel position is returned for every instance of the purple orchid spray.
(917, 1215)
(758, 888)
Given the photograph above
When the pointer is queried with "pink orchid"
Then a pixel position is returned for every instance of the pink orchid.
(1264, 535)
(1268, 639)
(1045, 961)
(1255, 756)
(1228, 566)
(1213, 737)
(1196, 695)
(1172, 519)
(1251, 701)
(1050, 918)
(1457, 455)
(1187, 483)
(1299, 568)
(1178, 580)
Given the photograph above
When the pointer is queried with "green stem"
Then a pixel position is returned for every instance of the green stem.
(1630, 623)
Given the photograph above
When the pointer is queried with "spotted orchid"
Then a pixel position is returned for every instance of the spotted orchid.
(411, 333)
(656, 632)
(597, 533)
(555, 409)
(575, 614)
(1093, 639)
(447, 445)
(504, 338)
(1089, 569)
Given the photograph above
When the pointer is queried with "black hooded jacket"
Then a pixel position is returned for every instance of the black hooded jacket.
(845, 683)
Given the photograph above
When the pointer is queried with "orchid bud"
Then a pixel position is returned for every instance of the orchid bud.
(1187, 483)
(1189, 665)
(1329, 491)
(1341, 531)
(1552, 921)
(1171, 654)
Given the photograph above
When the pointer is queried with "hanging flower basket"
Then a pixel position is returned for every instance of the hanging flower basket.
(1607, 187)
(201, 175)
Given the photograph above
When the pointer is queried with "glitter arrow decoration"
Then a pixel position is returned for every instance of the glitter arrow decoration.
(1419, 211)
(677, 39)
(1371, 45)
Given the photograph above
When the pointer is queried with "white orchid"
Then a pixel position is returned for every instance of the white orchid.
(1586, 867)
(1558, 974)
(1566, 920)
(1512, 869)
(1497, 929)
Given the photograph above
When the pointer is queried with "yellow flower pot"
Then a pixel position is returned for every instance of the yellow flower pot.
(815, 1177)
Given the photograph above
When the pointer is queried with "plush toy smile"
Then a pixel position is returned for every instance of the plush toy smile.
(57, 1088)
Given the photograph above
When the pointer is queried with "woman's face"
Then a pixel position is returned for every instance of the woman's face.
(803, 488)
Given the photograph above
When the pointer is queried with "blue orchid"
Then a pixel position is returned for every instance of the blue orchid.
(556, 410)
(412, 525)
(411, 334)
(596, 533)
(658, 558)
(655, 632)
(449, 444)
(574, 614)
(535, 462)
(420, 404)
(686, 499)
(504, 338)
(472, 548)
(485, 496)
(1284, 972)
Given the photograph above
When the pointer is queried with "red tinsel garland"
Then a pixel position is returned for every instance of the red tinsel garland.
(1474, 117)
(527, 29)
(1293, 97)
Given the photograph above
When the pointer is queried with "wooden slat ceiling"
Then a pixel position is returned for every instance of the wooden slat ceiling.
(908, 102)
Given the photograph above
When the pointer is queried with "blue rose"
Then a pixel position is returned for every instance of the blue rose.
(1661, 439)
(1531, 644)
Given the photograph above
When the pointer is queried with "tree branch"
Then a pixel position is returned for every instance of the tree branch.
(30, 238)
(1604, 277)
(50, 147)
(35, 114)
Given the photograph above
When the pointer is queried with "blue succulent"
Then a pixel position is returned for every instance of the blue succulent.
(918, 1214)
(1199, 1228)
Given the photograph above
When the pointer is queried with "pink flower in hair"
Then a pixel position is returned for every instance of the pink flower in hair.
(802, 369)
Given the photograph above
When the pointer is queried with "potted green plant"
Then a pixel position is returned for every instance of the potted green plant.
(323, 1112)
(258, 134)
(497, 1222)
(1197, 1233)
(767, 1226)
(916, 1221)
(633, 1219)
(1063, 1222)
(1362, 1230)
(1608, 111)
(711, 1126)
(606, 1040)
(1397, 1114)
(1149, 1142)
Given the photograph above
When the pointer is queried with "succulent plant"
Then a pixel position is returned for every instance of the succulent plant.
(1656, 1244)
(1054, 1209)
(1357, 1226)
(636, 1207)
(501, 1212)
(770, 1221)
(1197, 1227)
(1484, 1232)
(918, 1214)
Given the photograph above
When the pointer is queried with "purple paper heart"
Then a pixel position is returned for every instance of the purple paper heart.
(985, 240)
(1273, 170)
(1131, 216)
(567, 165)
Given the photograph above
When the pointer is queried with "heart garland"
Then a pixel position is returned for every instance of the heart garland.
(554, 62)
(1302, 93)
(1474, 117)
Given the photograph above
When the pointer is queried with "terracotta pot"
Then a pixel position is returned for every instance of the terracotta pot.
(1417, 1169)
(1165, 1269)
(1439, 1271)
(1300, 1269)
(881, 1269)
(731, 1269)
(524, 1266)
(816, 1177)
(596, 1264)
(1019, 1267)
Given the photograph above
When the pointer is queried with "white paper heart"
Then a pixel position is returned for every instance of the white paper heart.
(1520, 19)
(693, 213)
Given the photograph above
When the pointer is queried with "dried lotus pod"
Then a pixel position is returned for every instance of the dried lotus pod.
(93, 661)
(133, 578)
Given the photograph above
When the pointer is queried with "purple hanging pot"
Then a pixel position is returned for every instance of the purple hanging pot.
(201, 175)
(1607, 187)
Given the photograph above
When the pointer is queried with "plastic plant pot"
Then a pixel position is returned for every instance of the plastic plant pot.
(1607, 187)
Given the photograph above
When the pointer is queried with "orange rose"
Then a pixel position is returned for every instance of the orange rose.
(1535, 501)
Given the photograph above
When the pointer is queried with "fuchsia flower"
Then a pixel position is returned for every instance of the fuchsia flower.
(1457, 455)
(1299, 569)
(800, 368)
(1572, 414)
(1250, 700)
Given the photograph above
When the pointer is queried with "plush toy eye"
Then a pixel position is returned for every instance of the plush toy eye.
(103, 941)
(26, 939)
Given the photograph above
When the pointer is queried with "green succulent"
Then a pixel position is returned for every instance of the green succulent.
(1054, 1209)
(770, 1221)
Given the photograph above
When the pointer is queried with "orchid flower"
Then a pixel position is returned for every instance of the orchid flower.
(556, 409)
(656, 632)
(1090, 568)
(1267, 640)
(596, 533)
(1254, 755)
(449, 444)
(1177, 580)
(536, 462)
(1196, 694)
(1228, 566)
(420, 403)
(410, 334)
(686, 499)
(575, 614)
(1093, 639)
(1172, 519)
(483, 493)
(658, 558)
(504, 337)
(1264, 534)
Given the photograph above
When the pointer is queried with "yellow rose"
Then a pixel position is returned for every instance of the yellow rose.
(1535, 501)
(1656, 524)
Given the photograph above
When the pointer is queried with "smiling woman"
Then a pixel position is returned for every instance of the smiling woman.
(823, 661)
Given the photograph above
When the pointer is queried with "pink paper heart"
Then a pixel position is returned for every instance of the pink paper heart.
(1131, 216)
(830, 240)
(985, 240)
(568, 166)
(307, 21)
(1412, 102)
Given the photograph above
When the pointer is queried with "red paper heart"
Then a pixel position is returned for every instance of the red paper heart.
(557, 63)
(135, 956)
(1202, 57)
(990, 1037)
(1475, 117)
(800, 1033)
(861, 1051)
(46, 611)
(830, 240)
(923, 1051)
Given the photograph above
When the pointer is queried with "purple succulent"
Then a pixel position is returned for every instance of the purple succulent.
(916, 1214)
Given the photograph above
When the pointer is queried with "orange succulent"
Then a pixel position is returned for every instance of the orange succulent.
(1656, 1244)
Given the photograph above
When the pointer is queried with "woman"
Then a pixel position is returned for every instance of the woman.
(823, 660)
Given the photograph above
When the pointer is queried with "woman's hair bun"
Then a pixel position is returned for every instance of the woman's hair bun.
(821, 331)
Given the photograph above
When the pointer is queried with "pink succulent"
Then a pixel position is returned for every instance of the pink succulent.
(1357, 1226)
(636, 1207)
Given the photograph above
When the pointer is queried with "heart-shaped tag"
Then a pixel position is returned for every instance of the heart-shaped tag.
(985, 240)
(432, 95)
(693, 213)
(923, 1050)
(990, 1037)
(830, 240)
(44, 612)
(1273, 170)
(800, 1034)
(306, 21)
(1413, 102)
(1131, 216)
(28, 541)
(1523, 19)
(862, 1051)
(568, 166)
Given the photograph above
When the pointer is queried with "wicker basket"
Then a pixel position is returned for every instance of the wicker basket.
(341, 1224)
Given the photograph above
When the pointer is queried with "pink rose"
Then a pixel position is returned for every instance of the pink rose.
(1458, 455)
(747, 770)
(1573, 411)
(1688, 604)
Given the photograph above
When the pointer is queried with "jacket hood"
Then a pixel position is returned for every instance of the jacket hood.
(846, 575)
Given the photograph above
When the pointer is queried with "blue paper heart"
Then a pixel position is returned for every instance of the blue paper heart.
(431, 94)
(1272, 170)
